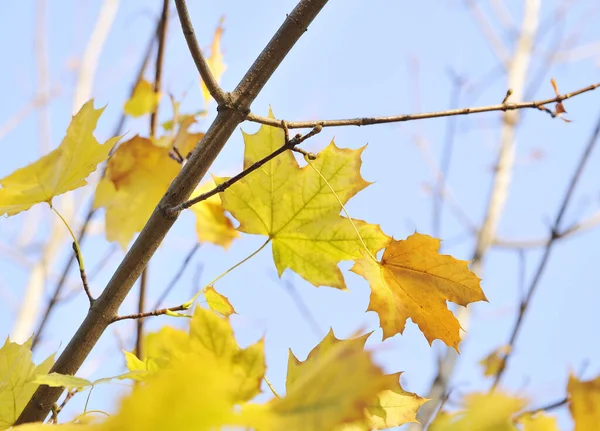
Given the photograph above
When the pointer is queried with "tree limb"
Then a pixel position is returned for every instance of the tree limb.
(228, 118)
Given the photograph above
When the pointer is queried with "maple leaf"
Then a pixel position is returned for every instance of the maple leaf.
(320, 394)
(137, 176)
(17, 375)
(210, 336)
(584, 403)
(482, 412)
(215, 60)
(60, 171)
(391, 408)
(538, 422)
(296, 209)
(191, 394)
(218, 302)
(143, 101)
(495, 361)
(414, 280)
(212, 225)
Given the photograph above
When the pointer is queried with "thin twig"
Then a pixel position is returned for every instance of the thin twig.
(160, 222)
(162, 37)
(188, 31)
(83, 276)
(141, 316)
(288, 145)
(496, 43)
(441, 179)
(545, 408)
(576, 228)
(524, 306)
(366, 121)
(54, 299)
(177, 276)
(517, 74)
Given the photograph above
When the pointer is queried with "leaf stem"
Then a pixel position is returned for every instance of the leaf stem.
(78, 255)
(362, 241)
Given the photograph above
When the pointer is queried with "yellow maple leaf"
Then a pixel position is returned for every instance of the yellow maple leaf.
(391, 408)
(210, 336)
(295, 208)
(482, 412)
(585, 403)
(215, 60)
(218, 302)
(212, 225)
(60, 171)
(17, 379)
(137, 176)
(192, 394)
(538, 422)
(320, 394)
(495, 361)
(143, 101)
(414, 280)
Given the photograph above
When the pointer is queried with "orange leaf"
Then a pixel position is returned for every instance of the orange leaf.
(414, 280)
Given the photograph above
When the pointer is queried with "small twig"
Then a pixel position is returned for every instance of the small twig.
(178, 275)
(162, 37)
(188, 31)
(84, 226)
(366, 121)
(290, 144)
(546, 256)
(56, 409)
(578, 227)
(139, 324)
(509, 93)
(160, 312)
(545, 408)
(83, 275)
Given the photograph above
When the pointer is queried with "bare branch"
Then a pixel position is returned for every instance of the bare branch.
(288, 145)
(546, 256)
(366, 121)
(105, 308)
(188, 31)
(141, 316)
(178, 275)
(579, 227)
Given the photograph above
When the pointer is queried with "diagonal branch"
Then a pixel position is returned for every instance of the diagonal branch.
(547, 251)
(229, 117)
(201, 64)
(366, 121)
(289, 145)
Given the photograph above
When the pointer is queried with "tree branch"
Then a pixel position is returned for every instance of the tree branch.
(229, 117)
(290, 144)
(546, 256)
(141, 316)
(188, 31)
(366, 121)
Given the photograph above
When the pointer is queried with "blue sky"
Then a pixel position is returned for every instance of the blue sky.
(357, 59)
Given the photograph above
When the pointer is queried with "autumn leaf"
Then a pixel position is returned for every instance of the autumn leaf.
(60, 171)
(495, 361)
(137, 176)
(56, 380)
(17, 375)
(218, 302)
(191, 394)
(143, 101)
(391, 408)
(584, 403)
(296, 209)
(414, 280)
(210, 336)
(320, 394)
(215, 60)
(482, 412)
(538, 422)
(212, 225)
